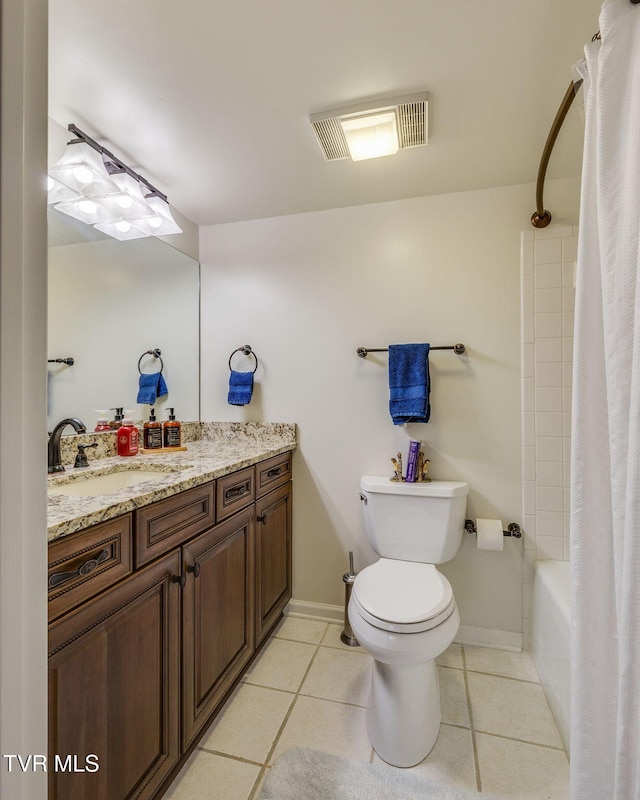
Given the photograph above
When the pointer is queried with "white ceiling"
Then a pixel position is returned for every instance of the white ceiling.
(209, 99)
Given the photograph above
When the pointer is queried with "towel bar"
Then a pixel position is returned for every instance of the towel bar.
(246, 349)
(363, 352)
(156, 352)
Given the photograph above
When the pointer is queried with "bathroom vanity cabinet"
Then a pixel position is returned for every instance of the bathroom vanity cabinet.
(154, 616)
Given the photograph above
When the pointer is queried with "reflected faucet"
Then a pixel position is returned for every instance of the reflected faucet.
(54, 460)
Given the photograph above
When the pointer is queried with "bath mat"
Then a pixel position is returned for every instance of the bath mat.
(303, 774)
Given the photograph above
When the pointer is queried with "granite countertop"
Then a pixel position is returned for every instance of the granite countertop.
(223, 448)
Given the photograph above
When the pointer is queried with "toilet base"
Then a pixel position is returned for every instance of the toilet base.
(403, 717)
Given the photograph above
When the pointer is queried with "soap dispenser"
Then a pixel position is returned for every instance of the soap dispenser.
(152, 432)
(103, 421)
(116, 422)
(128, 436)
(172, 435)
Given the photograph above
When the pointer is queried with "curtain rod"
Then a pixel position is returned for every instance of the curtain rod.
(541, 217)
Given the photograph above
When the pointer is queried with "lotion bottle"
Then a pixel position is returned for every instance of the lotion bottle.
(152, 433)
(128, 436)
(172, 434)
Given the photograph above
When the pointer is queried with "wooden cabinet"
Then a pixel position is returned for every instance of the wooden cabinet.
(217, 616)
(154, 616)
(273, 557)
(114, 687)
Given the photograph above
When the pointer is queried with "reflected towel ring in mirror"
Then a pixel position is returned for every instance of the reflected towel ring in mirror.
(246, 349)
(155, 353)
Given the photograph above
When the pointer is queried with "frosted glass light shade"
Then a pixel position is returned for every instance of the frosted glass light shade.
(160, 221)
(129, 202)
(58, 193)
(371, 135)
(86, 210)
(82, 169)
(121, 229)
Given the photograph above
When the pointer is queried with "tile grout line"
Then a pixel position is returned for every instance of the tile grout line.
(473, 733)
(265, 766)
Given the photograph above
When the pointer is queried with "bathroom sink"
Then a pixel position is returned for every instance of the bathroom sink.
(94, 485)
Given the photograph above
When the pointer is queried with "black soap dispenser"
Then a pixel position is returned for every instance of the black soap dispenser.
(172, 435)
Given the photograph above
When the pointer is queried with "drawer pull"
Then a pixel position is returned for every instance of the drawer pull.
(275, 471)
(86, 568)
(195, 569)
(237, 491)
(181, 579)
(262, 518)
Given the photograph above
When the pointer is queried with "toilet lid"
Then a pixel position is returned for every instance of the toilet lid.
(393, 594)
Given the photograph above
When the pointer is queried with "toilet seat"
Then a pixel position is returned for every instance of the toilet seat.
(403, 596)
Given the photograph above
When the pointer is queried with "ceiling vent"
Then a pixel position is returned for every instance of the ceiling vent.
(411, 125)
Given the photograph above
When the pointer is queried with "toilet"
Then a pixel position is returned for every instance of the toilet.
(402, 610)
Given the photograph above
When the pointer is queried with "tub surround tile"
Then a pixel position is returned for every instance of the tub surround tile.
(204, 460)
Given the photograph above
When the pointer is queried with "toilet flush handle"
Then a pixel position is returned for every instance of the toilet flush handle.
(363, 497)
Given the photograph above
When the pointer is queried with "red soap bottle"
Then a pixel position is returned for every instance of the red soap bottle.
(128, 437)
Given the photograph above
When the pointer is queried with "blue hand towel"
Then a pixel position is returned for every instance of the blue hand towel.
(152, 386)
(409, 383)
(240, 388)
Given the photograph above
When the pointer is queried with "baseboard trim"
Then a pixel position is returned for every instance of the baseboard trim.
(322, 612)
(467, 634)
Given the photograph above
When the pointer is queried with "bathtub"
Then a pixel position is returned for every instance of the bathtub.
(550, 637)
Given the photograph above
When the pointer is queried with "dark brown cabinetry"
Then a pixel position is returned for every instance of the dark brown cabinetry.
(153, 618)
(217, 616)
(114, 684)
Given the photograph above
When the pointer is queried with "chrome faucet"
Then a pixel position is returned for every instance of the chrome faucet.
(54, 460)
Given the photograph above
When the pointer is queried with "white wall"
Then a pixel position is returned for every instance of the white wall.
(305, 291)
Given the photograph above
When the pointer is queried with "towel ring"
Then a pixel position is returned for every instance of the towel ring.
(246, 349)
(155, 353)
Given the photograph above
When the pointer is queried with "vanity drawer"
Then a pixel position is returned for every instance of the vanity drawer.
(83, 564)
(273, 472)
(167, 523)
(234, 492)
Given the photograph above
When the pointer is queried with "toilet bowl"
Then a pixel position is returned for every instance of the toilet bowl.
(403, 612)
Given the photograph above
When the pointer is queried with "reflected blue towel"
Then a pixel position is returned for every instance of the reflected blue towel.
(409, 383)
(240, 388)
(152, 386)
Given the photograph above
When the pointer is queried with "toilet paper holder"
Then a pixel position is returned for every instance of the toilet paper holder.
(513, 529)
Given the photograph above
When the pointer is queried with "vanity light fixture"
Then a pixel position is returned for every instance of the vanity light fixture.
(374, 129)
(93, 185)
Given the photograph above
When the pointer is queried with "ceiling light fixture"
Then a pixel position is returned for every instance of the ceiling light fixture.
(374, 129)
(93, 185)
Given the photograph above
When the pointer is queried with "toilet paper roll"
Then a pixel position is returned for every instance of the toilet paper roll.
(490, 536)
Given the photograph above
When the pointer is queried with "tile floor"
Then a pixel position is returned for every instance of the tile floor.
(308, 689)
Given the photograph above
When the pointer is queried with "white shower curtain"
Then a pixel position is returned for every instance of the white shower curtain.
(605, 493)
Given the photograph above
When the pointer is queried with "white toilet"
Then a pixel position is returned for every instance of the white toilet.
(402, 610)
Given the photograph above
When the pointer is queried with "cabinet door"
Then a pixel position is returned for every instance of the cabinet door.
(273, 557)
(217, 616)
(114, 690)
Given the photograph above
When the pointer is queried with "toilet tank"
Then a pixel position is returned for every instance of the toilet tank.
(414, 521)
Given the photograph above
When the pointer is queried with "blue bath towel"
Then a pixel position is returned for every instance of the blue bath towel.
(240, 388)
(152, 385)
(409, 383)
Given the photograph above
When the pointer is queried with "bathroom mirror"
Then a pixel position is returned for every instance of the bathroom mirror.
(108, 303)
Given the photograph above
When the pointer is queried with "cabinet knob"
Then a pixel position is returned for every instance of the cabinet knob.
(195, 569)
(181, 579)
(262, 518)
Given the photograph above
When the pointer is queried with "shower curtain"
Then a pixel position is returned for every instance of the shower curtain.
(605, 493)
